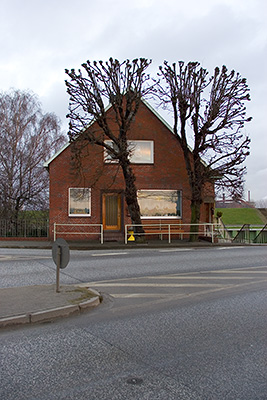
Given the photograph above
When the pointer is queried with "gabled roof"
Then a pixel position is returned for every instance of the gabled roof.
(145, 102)
(46, 164)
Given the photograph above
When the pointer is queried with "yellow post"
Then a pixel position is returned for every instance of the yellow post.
(131, 237)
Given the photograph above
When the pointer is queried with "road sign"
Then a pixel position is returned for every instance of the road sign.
(61, 253)
(61, 257)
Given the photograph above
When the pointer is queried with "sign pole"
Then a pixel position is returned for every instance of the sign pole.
(61, 256)
(58, 268)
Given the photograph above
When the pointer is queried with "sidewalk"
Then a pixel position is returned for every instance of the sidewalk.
(93, 245)
(40, 303)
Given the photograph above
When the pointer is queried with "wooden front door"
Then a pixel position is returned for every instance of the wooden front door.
(111, 207)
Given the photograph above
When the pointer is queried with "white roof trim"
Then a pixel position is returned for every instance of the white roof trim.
(46, 164)
(157, 115)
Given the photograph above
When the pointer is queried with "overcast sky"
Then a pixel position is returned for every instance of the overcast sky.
(39, 39)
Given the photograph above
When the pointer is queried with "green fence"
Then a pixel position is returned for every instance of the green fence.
(247, 233)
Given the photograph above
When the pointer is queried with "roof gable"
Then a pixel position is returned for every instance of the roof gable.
(145, 102)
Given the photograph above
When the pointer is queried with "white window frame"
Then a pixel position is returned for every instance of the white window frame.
(81, 214)
(162, 216)
(133, 159)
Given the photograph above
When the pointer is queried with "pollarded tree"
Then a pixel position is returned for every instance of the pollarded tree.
(28, 138)
(209, 115)
(104, 100)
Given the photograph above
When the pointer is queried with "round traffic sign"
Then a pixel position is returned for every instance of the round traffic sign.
(61, 253)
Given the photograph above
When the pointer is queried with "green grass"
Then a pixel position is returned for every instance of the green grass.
(240, 216)
(33, 215)
(86, 294)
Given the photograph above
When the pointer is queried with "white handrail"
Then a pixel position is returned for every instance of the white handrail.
(183, 227)
(80, 233)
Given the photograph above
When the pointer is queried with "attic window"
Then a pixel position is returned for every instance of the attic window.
(142, 152)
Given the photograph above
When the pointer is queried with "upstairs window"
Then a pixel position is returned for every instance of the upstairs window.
(160, 203)
(80, 202)
(142, 152)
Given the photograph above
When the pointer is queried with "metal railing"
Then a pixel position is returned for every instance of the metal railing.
(261, 236)
(243, 235)
(24, 228)
(79, 230)
(222, 232)
(246, 233)
(206, 230)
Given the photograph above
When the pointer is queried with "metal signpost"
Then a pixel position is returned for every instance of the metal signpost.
(61, 257)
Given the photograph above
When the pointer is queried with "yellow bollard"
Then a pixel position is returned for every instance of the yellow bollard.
(131, 238)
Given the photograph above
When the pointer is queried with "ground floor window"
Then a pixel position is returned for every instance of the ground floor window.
(160, 203)
(79, 202)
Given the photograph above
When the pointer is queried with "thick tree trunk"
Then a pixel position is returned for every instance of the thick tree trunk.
(131, 196)
(195, 218)
(196, 201)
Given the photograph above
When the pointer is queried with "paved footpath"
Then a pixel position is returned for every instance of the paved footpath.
(39, 303)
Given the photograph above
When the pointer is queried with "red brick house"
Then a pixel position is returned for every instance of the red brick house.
(96, 196)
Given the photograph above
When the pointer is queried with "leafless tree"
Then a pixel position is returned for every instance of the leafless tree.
(209, 115)
(104, 100)
(261, 203)
(28, 138)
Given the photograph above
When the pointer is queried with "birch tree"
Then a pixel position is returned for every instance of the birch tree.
(28, 138)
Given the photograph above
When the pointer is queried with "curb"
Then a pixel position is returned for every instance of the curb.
(50, 314)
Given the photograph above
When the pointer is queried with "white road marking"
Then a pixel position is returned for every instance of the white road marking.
(126, 284)
(202, 277)
(241, 272)
(230, 247)
(107, 254)
(173, 250)
(138, 295)
(23, 258)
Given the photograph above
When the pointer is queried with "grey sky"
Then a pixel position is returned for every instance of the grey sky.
(39, 39)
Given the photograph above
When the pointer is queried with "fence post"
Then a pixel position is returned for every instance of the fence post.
(169, 229)
(54, 231)
(212, 237)
(101, 234)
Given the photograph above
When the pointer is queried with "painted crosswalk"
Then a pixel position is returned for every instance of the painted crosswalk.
(178, 286)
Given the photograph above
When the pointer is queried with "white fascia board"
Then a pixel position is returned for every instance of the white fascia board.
(167, 125)
(46, 164)
(158, 115)
(162, 119)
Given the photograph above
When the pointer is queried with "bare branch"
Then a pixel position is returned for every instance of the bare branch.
(215, 109)
(28, 138)
(104, 100)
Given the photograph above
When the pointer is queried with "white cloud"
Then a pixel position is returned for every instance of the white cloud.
(39, 39)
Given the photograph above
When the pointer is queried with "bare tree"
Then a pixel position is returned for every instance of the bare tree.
(28, 138)
(261, 203)
(211, 111)
(103, 104)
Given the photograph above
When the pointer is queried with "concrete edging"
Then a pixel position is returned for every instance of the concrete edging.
(50, 314)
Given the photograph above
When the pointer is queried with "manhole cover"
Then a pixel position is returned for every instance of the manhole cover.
(135, 381)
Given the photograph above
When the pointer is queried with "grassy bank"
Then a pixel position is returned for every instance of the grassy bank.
(240, 216)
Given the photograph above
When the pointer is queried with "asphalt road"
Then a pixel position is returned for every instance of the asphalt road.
(174, 324)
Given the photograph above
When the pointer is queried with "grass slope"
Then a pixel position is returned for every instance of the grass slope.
(240, 216)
